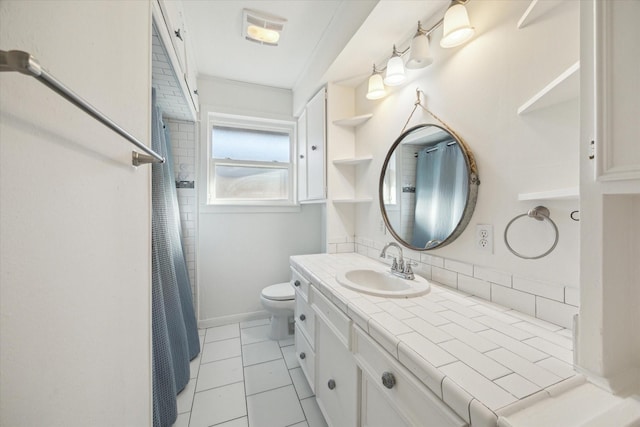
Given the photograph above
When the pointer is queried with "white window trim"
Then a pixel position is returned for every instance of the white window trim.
(250, 206)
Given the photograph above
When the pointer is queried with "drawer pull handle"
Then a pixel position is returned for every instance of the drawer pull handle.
(331, 384)
(388, 380)
(303, 317)
(296, 283)
(302, 355)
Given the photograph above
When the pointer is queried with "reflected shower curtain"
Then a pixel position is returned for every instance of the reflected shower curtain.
(174, 331)
(440, 175)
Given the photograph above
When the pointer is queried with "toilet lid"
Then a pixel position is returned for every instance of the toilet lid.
(280, 292)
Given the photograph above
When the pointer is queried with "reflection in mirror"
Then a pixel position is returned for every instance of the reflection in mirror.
(428, 187)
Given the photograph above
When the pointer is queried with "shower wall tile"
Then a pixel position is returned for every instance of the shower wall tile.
(183, 143)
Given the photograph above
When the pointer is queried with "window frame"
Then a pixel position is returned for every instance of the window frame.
(259, 124)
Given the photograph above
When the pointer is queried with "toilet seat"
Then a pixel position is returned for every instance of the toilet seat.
(279, 292)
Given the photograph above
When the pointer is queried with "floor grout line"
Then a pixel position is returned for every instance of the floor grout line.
(195, 380)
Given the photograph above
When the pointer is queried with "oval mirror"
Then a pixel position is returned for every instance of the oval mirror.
(428, 187)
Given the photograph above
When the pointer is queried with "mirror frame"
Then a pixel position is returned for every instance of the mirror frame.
(472, 194)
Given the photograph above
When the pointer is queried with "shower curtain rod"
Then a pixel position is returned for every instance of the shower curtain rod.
(23, 62)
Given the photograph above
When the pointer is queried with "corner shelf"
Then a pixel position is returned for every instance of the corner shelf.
(354, 200)
(563, 88)
(536, 9)
(353, 160)
(571, 193)
(353, 121)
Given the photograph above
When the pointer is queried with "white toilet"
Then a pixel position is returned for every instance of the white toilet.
(279, 301)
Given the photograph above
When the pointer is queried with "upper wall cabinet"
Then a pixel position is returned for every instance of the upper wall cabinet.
(169, 20)
(617, 104)
(312, 146)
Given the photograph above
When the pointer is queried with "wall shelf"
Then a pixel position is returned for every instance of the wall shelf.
(353, 201)
(571, 193)
(563, 88)
(353, 121)
(353, 160)
(535, 10)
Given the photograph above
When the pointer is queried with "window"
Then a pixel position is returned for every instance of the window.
(250, 161)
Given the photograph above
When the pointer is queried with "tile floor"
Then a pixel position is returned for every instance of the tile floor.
(241, 378)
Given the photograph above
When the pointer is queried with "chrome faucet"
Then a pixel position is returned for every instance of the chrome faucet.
(398, 266)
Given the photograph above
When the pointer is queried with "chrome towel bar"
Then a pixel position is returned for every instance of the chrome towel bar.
(23, 62)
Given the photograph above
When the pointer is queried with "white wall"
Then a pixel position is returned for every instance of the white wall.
(476, 89)
(240, 253)
(75, 218)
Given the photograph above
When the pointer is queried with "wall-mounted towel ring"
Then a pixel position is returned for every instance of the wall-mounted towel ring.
(539, 213)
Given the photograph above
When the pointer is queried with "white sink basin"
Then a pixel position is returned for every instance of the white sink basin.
(382, 283)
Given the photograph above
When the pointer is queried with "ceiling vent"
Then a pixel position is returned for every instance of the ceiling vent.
(262, 28)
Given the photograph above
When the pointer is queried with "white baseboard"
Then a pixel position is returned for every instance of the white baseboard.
(235, 318)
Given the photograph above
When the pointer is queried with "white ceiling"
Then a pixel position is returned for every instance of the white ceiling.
(222, 50)
(311, 30)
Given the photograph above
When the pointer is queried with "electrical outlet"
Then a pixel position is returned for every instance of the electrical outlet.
(484, 237)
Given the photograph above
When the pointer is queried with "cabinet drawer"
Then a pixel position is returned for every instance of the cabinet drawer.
(306, 357)
(414, 401)
(336, 319)
(305, 318)
(300, 283)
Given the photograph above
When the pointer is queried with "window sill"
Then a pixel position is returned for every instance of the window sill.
(222, 209)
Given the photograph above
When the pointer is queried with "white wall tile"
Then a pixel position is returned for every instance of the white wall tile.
(493, 276)
(555, 312)
(521, 301)
(458, 267)
(445, 277)
(474, 286)
(572, 296)
(536, 287)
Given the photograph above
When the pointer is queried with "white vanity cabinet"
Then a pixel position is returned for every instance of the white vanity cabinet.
(391, 392)
(356, 381)
(304, 328)
(337, 373)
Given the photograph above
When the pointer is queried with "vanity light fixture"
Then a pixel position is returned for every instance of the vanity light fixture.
(395, 75)
(456, 28)
(376, 88)
(420, 52)
(262, 28)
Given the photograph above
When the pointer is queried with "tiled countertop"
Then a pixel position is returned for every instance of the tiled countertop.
(482, 359)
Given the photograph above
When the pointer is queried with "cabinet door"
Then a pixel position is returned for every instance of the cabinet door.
(174, 20)
(316, 147)
(376, 410)
(617, 60)
(337, 379)
(302, 156)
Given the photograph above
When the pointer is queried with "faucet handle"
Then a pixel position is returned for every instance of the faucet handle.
(394, 264)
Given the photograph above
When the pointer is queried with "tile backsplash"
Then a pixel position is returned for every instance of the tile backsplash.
(552, 302)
